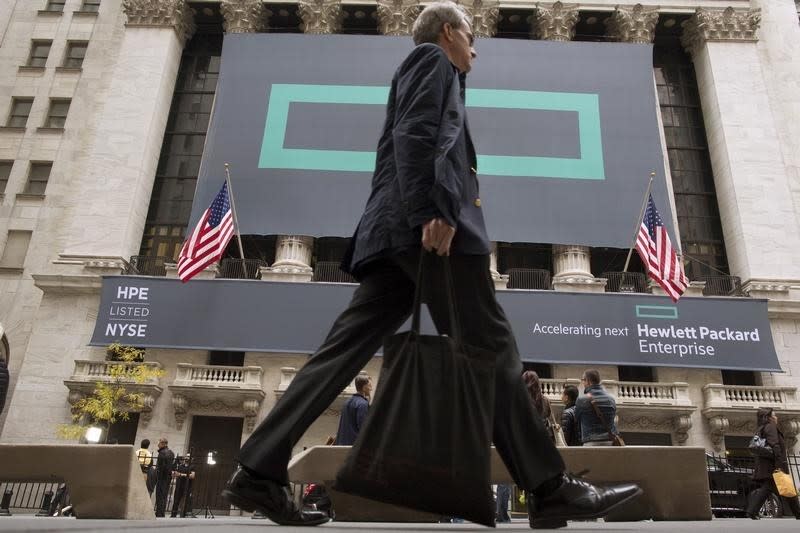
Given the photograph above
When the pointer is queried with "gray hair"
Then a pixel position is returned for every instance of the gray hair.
(430, 22)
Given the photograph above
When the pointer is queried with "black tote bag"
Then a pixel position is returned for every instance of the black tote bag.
(426, 441)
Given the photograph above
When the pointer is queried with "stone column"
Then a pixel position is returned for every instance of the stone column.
(125, 137)
(500, 280)
(754, 192)
(395, 17)
(292, 259)
(484, 15)
(321, 16)
(635, 24)
(243, 16)
(556, 23)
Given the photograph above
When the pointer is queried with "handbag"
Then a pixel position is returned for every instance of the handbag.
(615, 439)
(426, 441)
(758, 446)
(785, 484)
(559, 433)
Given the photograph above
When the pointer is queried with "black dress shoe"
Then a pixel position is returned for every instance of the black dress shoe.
(273, 499)
(577, 499)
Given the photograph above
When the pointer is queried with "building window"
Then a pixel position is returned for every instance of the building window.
(690, 164)
(37, 178)
(182, 149)
(16, 249)
(20, 110)
(225, 358)
(57, 116)
(91, 6)
(637, 373)
(39, 52)
(76, 51)
(56, 6)
(5, 172)
(543, 370)
(739, 377)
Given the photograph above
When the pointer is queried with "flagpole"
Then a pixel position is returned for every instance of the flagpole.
(639, 221)
(233, 210)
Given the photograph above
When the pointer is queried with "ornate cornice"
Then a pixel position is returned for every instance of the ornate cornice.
(716, 26)
(633, 25)
(556, 23)
(243, 16)
(165, 13)
(321, 16)
(484, 15)
(395, 17)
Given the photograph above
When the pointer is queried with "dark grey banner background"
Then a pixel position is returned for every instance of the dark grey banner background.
(521, 209)
(295, 317)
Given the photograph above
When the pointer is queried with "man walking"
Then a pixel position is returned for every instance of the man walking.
(424, 198)
(165, 461)
(354, 413)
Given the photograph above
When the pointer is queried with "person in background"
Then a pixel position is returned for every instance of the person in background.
(593, 430)
(540, 403)
(354, 412)
(165, 462)
(184, 476)
(145, 457)
(569, 425)
(767, 423)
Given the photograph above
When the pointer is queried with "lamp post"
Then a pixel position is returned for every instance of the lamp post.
(93, 434)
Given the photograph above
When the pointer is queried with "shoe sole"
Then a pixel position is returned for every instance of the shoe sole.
(250, 506)
(556, 522)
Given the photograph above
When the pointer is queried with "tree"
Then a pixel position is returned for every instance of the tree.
(112, 399)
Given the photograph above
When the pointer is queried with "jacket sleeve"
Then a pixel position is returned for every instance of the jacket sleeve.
(567, 424)
(422, 87)
(770, 433)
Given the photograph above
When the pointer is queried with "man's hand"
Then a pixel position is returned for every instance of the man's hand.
(437, 236)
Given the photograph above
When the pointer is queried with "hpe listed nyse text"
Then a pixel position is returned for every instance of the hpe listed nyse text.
(128, 314)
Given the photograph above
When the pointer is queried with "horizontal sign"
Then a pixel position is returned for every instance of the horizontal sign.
(566, 134)
(550, 326)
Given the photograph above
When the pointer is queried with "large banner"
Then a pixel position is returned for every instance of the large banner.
(550, 326)
(567, 134)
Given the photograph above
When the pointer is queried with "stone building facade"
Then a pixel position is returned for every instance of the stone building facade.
(100, 99)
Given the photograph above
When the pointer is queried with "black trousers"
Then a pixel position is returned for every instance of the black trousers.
(380, 305)
(759, 496)
(183, 488)
(162, 492)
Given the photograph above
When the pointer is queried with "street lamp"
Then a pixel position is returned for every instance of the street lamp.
(93, 434)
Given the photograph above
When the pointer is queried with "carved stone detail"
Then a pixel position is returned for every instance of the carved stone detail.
(681, 426)
(484, 15)
(719, 425)
(243, 16)
(790, 429)
(321, 16)
(572, 261)
(250, 408)
(633, 25)
(714, 25)
(146, 413)
(556, 23)
(647, 423)
(180, 406)
(395, 17)
(166, 13)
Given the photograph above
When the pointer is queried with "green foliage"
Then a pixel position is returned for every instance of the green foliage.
(111, 400)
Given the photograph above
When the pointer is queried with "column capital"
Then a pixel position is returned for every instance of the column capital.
(635, 24)
(707, 25)
(484, 15)
(321, 16)
(395, 17)
(243, 16)
(164, 13)
(556, 23)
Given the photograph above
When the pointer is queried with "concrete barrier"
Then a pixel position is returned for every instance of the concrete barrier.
(674, 480)
(104, 481)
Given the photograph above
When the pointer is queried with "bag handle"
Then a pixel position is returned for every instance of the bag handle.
(455, 325)
(602, 419)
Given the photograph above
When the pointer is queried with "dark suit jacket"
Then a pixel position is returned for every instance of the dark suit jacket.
(354, 413)
(766, 465)
(425, 166)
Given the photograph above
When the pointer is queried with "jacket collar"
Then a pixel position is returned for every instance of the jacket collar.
(592, 388)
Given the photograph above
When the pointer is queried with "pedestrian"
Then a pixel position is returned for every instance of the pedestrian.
(182, 497)
(424, 198)
(570, 426)
(146, 463)
(540, 402)
(595, 430)
(354, 412)
(503, 497)
(165, 462)
(4, 381)
(767, 423)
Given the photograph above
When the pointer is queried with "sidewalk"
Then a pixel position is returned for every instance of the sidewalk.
(181, 525)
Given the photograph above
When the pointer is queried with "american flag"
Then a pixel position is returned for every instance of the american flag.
(655, 249)
(209, 239)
